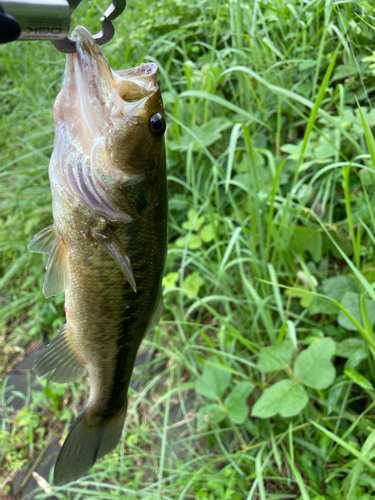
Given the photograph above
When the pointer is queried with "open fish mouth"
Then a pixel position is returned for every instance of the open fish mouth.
(131, 84)
(91, 112)
(97, 89)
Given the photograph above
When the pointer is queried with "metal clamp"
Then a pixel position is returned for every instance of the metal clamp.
(116, 8)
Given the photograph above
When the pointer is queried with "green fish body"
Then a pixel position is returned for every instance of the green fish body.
(107, 246)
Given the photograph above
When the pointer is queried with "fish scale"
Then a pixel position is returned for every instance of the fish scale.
(109, 197)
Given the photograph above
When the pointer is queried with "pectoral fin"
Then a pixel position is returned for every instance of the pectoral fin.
(56, 270)
(113, 246)
(60, 356)
(44, 240)
(49, 241)
(158, 313)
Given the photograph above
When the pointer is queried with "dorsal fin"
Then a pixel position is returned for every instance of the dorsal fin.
(57, 274)
(108, 240)
(44, 240)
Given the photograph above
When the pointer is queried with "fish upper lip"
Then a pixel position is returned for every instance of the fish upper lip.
(144, 75)
(84, 40)
(80, 33)
(91, 61)
(145, 69)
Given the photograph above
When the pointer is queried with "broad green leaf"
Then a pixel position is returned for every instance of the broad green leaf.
(310, 339)
(307, 278)
(313, 366)
(22, 417)
(294, 150)
(321, 305)
(193, 223)
(236, 402)
(66, 414)
(193, 282)
(204, 135)
(213, 382)
(356, 358)
(341, 72)
(368, 271)
(348, 347)
(170, 279)
(337, 286)
(207, 233)
(306, 64)
(210, 414)
(359, 379)
(193, 240)
(308, 239)
(369, 58)
(302, 293)
(318, 332)
(350, 301)
(276, 357)
(285, 397)
(325, 149)
(366, 177)
(345, 245)
(210, 132)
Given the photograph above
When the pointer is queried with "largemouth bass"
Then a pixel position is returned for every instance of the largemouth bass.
(107, 246)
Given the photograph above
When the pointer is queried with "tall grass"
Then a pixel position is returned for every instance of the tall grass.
(271, 185)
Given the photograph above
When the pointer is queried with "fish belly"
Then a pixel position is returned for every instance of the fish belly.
(106, 319)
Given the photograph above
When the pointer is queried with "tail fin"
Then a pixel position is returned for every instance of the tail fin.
(85, 444)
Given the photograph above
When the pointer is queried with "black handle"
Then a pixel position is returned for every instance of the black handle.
(9, 28)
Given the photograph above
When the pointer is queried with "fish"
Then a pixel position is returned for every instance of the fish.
(108, 242)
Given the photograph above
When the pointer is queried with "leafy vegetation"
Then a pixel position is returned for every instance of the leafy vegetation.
(259, 382)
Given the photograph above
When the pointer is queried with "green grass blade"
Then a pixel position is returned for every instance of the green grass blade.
(347, 446)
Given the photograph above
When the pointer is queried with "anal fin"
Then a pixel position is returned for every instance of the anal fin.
(60, 356)
(113, 246)
(43, 241)
(56, 270)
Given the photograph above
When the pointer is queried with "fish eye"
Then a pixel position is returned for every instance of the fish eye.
(157, 124)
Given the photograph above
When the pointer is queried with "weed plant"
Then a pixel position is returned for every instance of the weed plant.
(259, 381)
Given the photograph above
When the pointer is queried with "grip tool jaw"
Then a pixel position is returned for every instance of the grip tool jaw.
(106, 34)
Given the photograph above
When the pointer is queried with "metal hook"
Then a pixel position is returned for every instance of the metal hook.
(114, 10)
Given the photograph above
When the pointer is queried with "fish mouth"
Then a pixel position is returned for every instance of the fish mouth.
(93, 95)
(144, 76)
(131, 85)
